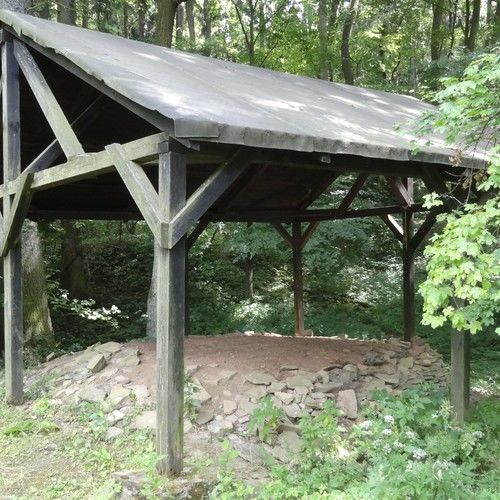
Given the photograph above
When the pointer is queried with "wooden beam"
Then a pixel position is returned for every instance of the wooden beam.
(399, 190)
(17, 213)
(283, 233)
(12, 263)
(310, 215)
(298, 279)
(89, 165)
(310, 230)
(203, 198)
(353, 192)
(408, 269)
(434, 182)
(460, 374)
(48, 103)
(424, 229)
(170, 323)
(54, 150)
(153, 117)
(138, 185)
(196, 233)
(393, 225)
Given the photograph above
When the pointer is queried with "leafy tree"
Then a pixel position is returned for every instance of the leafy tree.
(463, 283)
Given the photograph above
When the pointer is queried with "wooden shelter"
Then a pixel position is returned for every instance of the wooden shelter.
(99, 127)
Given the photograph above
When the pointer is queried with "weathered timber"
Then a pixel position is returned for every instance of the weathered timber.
(152, 117)
(196, 233)
(393, 225)
(203, 198)
(353, 192)
(139, 187)
(400, 191)
(423, 231)
(298, 279)
(54, 150)
(283, 233)
(309, 215)
(308, 233)
(12, 278)
(460, 374)
(89, 165)
(17, 213)
(408, 268)
(48, 103)
(435, 182)
(170, 321)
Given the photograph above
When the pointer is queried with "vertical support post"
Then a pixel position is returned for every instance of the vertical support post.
(408, 269)
(298, 281)
(170, 322)
(13, 306)
(187, 307)
(460, 374)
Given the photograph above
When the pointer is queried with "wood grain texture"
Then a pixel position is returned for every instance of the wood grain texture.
(170, 323)
(48, 103)
(460, 374)
(13, 297)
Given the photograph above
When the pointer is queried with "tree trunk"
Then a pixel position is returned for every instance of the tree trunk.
(85, 13)
(141, 18)
(437, 24)
(345, 50)
(496, 24)
(125, 20)
(323, 39)
(190, 21)
(470, 40)
(165, 21)
(74, 273)
(206, 29)
(66, 11)
(249, 269)
(37, 322)
(179, 22)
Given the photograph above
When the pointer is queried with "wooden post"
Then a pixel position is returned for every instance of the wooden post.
(460, 374)
(298, 283)
(187, 307)
(170, 322)
(408, 269)
(13, 306)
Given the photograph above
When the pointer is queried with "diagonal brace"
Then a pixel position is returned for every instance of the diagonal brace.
(139, 186)
(48, 103)
(204, 197)
(14, 222)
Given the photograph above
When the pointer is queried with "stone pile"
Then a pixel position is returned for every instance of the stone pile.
(225, 399)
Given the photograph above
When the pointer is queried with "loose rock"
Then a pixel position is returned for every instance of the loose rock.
(347, 402)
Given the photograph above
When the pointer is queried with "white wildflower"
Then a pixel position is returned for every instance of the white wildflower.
(419, 454)
(388, 419)
(478, 434)
(387, 432)
(366, 425)
(410, 435)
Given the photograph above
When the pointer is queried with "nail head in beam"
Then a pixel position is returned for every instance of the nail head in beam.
(13, 297)
(170, 323)
(48, 103)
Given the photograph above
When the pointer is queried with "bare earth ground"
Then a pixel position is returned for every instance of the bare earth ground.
(40, 462)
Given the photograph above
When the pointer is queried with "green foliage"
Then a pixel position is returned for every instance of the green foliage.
(190, 390)
(265, 419)
(407, 446)
(463, 282)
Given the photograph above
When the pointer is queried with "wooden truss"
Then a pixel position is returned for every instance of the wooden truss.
(170, 214)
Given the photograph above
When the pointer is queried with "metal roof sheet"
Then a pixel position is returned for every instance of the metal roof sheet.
(233, 103)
